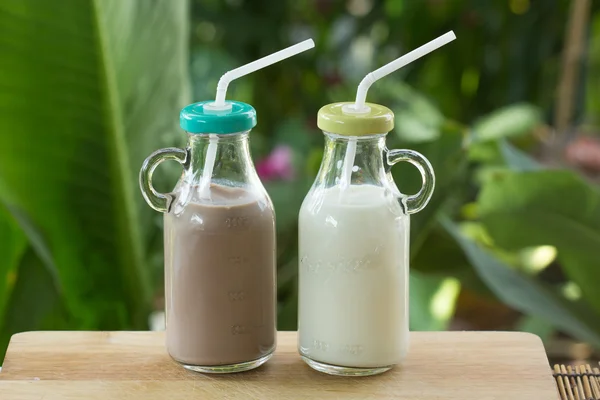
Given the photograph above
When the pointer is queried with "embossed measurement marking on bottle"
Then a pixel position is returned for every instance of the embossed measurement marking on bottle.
(354, 349)
(236, 295)
(320, 345)
(237, 222)
(344, 264)
(239, 329)
(237, 260)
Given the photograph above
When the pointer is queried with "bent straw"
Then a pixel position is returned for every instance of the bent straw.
(220, 105)
(359, 106)
(256, 65)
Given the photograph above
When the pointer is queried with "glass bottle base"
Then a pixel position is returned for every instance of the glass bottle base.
(229, 369)
(344, 371)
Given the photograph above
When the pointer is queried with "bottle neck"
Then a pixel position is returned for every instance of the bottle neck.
(232, 162)
(368, 166)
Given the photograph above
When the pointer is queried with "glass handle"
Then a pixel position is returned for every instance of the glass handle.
(416, 202)
(159, 201)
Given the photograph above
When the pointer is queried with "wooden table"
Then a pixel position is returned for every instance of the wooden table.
(135, 365)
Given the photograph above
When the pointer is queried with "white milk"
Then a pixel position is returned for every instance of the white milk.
(353, 301)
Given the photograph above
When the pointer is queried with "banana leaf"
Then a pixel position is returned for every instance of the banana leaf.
(528, 295)
(557, 208)
(13, 245)
(89, 89)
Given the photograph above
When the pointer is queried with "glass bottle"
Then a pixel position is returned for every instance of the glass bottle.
(219, 238)
(354, 248)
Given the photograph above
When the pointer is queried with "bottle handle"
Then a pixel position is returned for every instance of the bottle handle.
(159, 201)
(415, 202)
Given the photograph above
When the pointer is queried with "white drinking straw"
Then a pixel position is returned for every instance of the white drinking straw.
(220, 105)
(372, 77)
(359, 106)
(348, 164)
(209, 165)
(256, 65)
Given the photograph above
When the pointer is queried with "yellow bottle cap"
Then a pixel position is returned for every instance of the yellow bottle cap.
(336, 118)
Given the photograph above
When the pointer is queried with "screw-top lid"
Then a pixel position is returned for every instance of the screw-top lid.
(334, 118)
(202, 118)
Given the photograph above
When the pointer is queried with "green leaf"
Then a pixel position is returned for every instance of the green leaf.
(287, 198)
(393, 8)
(38, 244)
(13, 244)
(511, 121)
(208, 65)
(287, 273)
(446, 155)
(411, 128)
(287, 316)
(439, 254)
(523, 293)
(537, 326)
(293, 132)
(485, 152)
(432, 301)
(417, 119)
(557, 208)
(90, 88)
(516, 159)
(34, 302)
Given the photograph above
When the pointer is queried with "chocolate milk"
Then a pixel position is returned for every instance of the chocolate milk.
(220, 279)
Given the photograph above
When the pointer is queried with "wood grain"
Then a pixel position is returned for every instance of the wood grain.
(134, 365)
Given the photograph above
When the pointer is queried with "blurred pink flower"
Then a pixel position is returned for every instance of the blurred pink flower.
(584, 152)
(277, 165)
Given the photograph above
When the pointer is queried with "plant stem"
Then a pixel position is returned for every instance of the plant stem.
(572, 54)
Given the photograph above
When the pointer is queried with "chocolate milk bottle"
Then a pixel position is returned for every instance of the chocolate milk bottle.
(220, 279)
(219, 235)
(219, 239)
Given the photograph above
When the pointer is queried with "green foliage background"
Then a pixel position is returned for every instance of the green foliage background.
(88, 88)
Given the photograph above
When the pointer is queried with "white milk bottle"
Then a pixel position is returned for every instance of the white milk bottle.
(354, 241)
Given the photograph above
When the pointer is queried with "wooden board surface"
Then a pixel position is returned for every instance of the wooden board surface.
(135, 365)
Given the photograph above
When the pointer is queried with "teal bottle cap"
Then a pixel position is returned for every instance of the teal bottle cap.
(198, 118)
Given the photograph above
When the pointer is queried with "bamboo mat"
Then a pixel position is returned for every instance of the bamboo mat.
(581, 382)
